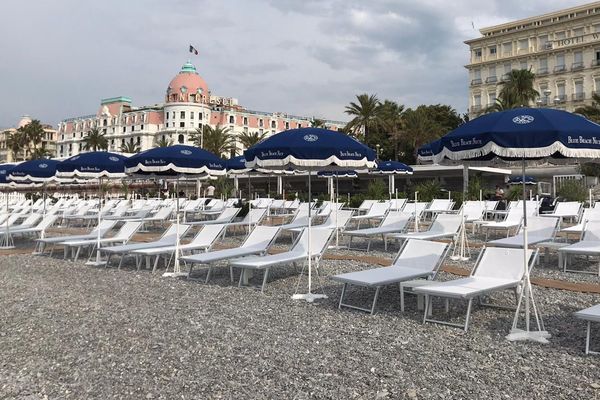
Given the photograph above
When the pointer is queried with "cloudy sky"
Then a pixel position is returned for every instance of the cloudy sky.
(307, 57)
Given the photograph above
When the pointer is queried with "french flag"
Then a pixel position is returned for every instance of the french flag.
(193, 50)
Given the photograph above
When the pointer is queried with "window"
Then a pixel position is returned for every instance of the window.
(299, 125)
(578, 32)
(477, 53)
(287, 125)
(182, 124)
(523, 44)
(180, 139)
(124, 129)
(245, 120)
(507, 48)
(138, 140)
(560, 35)
(231, 119)
(542, 42)
(523, 64)
(200, 125)
(141, 127)
(491, 98)
(560, 63)
(577, 60)
(182, 115)
(543, 66)
(561, 91)
(132, 128)
(260, 122)
(167, 125)
(104, 122)
(273, 124)
(491, 74)
(492, 50)
(597, 84)
(260, 131)
(191, 115)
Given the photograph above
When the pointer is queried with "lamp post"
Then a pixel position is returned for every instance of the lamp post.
(377, 146)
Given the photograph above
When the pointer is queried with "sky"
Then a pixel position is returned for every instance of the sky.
(303, 57)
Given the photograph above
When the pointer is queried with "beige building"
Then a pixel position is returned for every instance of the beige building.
(48, 142)
(562, 48)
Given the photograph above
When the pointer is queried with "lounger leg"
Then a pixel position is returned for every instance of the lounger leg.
(77, 253)
(120, 262)
(375, 300)
(189, 272)
(401, 297)
(468, 314)
(587, 337)
(342, 296)
(427, 300)
(156, 260)
(208, 273)
(369, 245)
(231, 273)
(262, 289)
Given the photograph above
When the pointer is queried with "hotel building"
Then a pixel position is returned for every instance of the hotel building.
(188, 105)
(562, 48)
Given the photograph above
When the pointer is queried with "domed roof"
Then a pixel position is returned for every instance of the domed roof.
(187, 86)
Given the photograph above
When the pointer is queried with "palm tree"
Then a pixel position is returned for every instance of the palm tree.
(591, 111)
(418, 128)
(162, 142)
(317, 123)
(366, 116)
(35, 133)
(249, 139)
(95, 140)
(130, 148)
(517, 90)
(217, 140)
(17, 142)
(390, 114)
(40, 152)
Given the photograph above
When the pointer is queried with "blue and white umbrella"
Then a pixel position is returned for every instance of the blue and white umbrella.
(40, 171)
(93, 165)
(311, 149)
(518, 135)
(518, 180)
(392, 168)
(176, 162)
(6, 241)
(425, 153)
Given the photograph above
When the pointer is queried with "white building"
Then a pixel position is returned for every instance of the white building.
(189, 105)
(562, 48)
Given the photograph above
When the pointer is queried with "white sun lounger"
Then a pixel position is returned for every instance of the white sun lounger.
(37, 230)
(416, 259)
(343, 218)
(588, 246)
(538, 230)
(591, 314)
(513, 220)
(589, 214)
(496, 269)
(438, 206)
(565, 209)
(227, 215)
(251, 219)
(393, 222)
(203, 241)
(444, 226)
(124, 234)
(104, 227)
(319, 239)
(257, 242)
(168, 238)
(377, 211)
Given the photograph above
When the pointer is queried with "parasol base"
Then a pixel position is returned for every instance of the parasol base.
(516, 335)
(309, 297)
(174, 274)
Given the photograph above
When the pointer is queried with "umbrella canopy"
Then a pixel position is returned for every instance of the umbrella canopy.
(310, 148)
(530, 133)
(517, 180)
(40, 171)
(4, 171)
(425, 152)
(175, 160)
(236, 165)
(392, 167)
(337, 174)
(93, 165)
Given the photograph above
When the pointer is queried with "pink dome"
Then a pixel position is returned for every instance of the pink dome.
(187, 86)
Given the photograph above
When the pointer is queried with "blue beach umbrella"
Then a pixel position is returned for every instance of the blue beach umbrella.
(425, 153)
(4, 171)
(310, 149)
(392, 168)
(41, 171)
(176, 161)
(518, 180)
(518, 135)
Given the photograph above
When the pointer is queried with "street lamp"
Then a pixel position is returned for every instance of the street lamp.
(377, 146)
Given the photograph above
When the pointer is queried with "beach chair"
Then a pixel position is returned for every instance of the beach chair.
(589, 245)
(123, 235)
(204, 240)
(589, 214)
(397, 204)
(394, 222)
(226, 216)
(438, 206)
(104, 227)
(497, 269)
(591, 314)
(297, 254)
(335, 220)
(513, 221)
(257, 242)
(377, 212)
(37, 230)
(416, 259)
(538, 230)
(444, 226)
(168, 238)
(565, 210)
(251, 219)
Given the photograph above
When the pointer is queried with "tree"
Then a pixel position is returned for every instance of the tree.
(390, 115)
(217, 140)
(592, 111)
(18, 142)
(95, 140)
(40, 152)
(130, 147)
(249, 139)
(317, 123)
(365, 114)
(418, 129)
(517, 90)
(162, 142)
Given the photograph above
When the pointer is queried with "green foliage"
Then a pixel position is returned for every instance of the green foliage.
(572, 190)
(517, 90)
(428, 190)
(130, 147)
(377, 190)
(356, 200)
(514, 193)
(591, 112)
(162, 142)
(475, 185)
(95, 140)
(217, 140)
(223, 186)
(590, 169)
(249, 139)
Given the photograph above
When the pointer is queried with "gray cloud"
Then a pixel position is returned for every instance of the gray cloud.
(303, 57)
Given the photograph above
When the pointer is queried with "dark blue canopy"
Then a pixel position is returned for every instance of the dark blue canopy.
(530, 133)
(517, 180)
(41, 170)
(392, 167)
(4, 171)
(310, 148)
(95, 164)
(175, 160)
(236, 164)
(337, 174)
(425, 153)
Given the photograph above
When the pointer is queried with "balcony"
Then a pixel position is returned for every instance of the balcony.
(578, 96)
(560, 68)
(476, 109)
(560, 98)
(542, 101)
(491, 79)
(577, 66)
(542, 71)
(505, 77)
(595, 63)
(476, 81)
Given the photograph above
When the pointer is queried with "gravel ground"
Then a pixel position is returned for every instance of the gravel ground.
(71, 331)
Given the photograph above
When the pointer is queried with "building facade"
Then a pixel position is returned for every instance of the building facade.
(562, 48)
(48, 142)
(188, 106)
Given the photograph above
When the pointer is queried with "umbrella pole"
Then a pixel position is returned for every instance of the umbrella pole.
(541, 335)
(7, 241)
(416, 214)
(176, 268)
